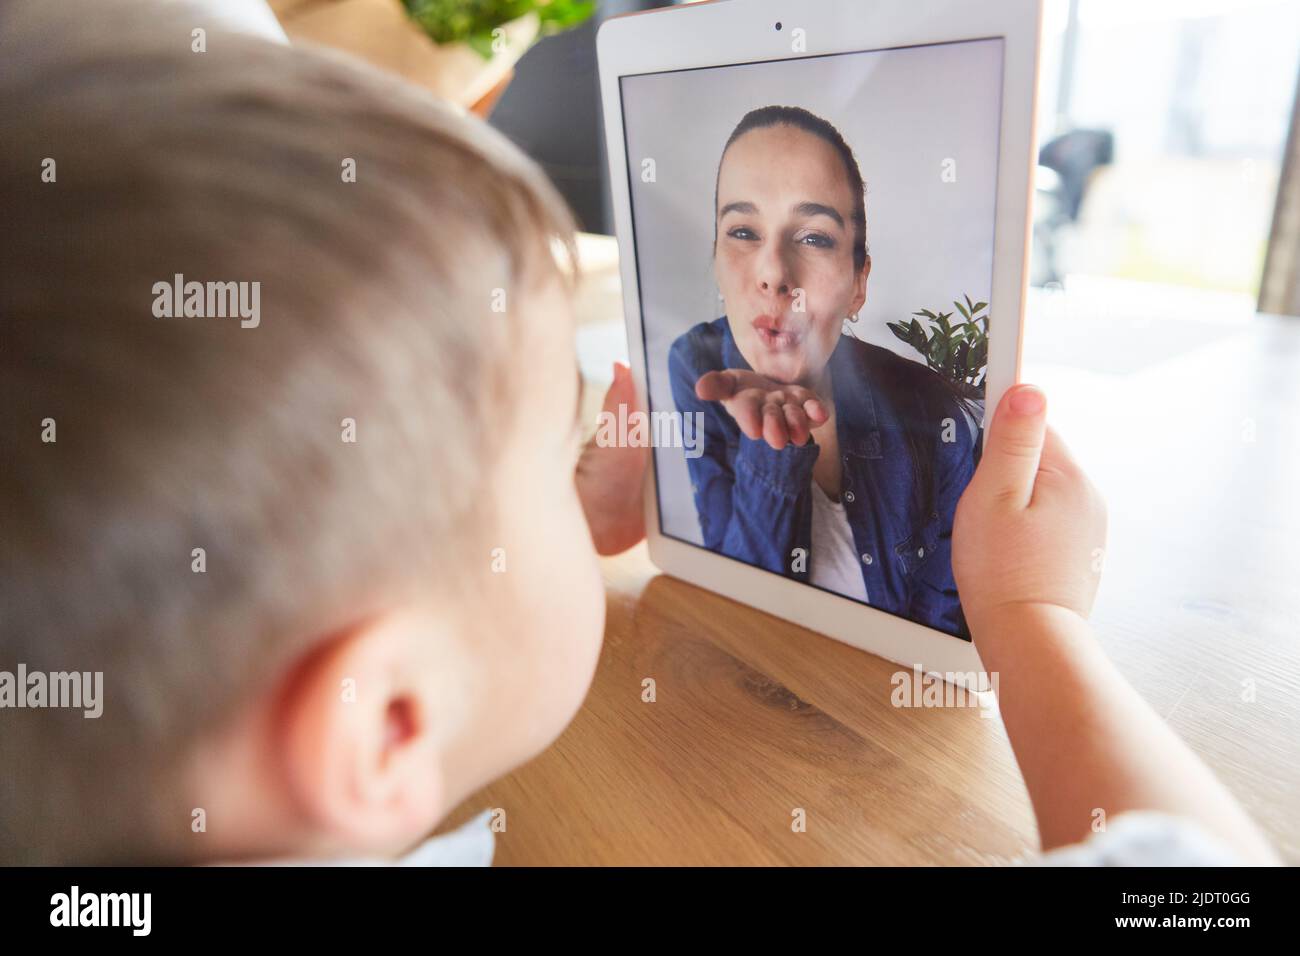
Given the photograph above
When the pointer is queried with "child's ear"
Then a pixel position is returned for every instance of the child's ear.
(358, 746)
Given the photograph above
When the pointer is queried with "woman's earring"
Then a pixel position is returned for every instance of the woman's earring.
(853, 317)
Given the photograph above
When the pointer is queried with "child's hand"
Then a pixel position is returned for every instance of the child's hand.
(764, 409)
(1030, 528)
(611, 479)
(1027, 553)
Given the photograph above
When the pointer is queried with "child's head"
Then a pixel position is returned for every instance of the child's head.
(328, 555)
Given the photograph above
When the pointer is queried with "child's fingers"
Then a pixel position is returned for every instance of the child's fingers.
(1069, 485)
(1014, 446)
(1056, 454)
(621, 391)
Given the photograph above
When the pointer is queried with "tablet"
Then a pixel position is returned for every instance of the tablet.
(822, 211)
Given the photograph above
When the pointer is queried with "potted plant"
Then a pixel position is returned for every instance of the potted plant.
(958, 352)
(463, 50)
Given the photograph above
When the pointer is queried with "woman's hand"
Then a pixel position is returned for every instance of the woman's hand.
(611, 479)
(1030, 527)
(778, 414)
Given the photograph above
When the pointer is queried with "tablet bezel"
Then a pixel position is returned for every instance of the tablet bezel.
(727, 33)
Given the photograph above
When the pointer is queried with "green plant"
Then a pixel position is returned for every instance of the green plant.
(472, 21)
(959, 353)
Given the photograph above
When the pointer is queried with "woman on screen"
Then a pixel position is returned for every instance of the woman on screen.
(825, 459)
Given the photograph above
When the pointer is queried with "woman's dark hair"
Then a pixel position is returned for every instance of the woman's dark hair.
(768, 116)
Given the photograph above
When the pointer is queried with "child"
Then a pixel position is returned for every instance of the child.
(290, 439)
(290, 459)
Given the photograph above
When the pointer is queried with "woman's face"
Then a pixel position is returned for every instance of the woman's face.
(784, 254)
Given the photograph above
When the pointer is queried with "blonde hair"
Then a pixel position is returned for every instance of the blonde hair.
(377, 306)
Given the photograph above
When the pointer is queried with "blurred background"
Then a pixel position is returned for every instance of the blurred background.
(1162, 129)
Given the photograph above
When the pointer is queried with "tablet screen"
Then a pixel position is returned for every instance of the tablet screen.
(814, 250)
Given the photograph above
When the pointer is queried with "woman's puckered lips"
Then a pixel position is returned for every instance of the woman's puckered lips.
(777, 333)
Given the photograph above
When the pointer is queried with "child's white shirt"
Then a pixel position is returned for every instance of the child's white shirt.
(1137, 838)
(1144, 838)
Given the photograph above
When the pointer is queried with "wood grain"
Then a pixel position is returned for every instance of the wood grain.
(712, 770)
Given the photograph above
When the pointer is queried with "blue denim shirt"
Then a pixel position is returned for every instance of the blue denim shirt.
(908, 454)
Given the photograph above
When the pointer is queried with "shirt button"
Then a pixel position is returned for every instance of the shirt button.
(920, 552)
(866, 559)
(848, 496)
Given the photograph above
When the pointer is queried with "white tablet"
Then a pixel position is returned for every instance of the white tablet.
(822, 210)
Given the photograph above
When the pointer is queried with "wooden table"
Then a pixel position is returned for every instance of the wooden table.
(1190, 425)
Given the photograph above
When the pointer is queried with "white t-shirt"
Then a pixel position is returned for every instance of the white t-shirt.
(833, 563)
(1145, 838)
(1136, 838)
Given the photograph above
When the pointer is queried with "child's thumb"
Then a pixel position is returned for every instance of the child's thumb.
(622, 391)
(1014, 445)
